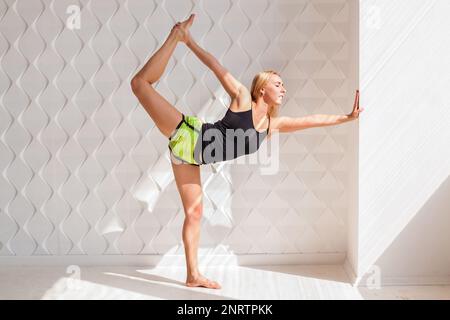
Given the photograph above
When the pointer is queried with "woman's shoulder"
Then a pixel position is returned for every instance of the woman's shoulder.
(242, 102)
(243, 99)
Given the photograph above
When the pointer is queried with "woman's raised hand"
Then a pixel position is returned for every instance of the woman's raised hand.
(181, 29)
(356, 111)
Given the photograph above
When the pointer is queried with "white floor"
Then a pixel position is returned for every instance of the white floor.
(271, 282)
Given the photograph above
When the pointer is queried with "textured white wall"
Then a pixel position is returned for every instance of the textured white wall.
(85, 171)
(404, 138)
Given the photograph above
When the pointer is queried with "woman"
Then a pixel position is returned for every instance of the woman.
(254, 111)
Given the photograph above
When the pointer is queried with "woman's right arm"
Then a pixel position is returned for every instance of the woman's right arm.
(232, 86)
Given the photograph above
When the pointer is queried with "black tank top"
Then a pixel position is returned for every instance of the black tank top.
(231, 137)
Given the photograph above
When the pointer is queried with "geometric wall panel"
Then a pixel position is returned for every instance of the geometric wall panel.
(85, 171)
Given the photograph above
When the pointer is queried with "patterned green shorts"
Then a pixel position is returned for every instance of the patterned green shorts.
(182, 142)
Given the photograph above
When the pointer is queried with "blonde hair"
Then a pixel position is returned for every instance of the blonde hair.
(259, 82)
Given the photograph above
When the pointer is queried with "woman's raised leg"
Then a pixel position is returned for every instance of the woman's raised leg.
(164, 114)
(187, 178)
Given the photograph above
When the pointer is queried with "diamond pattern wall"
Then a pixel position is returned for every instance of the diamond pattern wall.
(85, 170)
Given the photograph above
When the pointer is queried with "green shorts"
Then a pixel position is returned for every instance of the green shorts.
(182, 142)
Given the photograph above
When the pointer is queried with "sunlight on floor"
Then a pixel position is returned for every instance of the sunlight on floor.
(259, 282)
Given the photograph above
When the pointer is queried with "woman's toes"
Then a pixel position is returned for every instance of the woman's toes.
(191, 19)
(215, 285)
(188, 22)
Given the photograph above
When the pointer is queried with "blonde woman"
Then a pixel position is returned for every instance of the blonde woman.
(193, 143)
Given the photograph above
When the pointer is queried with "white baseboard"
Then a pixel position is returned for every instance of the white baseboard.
(385, 281)
(175, 260)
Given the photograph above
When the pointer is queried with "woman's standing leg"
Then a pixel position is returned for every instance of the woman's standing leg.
(187, 178)
(164, 114)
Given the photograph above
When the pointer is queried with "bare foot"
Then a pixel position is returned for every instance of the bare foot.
(186, 24)
(181, 29)
(201, 281)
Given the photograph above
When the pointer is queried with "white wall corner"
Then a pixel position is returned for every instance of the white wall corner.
(351, 273)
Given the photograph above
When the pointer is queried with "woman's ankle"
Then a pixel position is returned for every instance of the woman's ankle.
(193, 274)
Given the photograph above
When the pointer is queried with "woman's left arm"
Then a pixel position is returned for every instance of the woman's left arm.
(289, 124)
(329, 119)
(322, 120)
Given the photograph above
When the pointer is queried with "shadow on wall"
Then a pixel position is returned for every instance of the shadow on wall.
(420, 250)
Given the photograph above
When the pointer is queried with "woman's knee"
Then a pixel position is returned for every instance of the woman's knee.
(135, 84)
(138, 84)
(194, 213)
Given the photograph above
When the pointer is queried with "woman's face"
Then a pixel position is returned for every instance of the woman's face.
(274, 90)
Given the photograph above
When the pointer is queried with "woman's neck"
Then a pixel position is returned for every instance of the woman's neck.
(260, 107)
